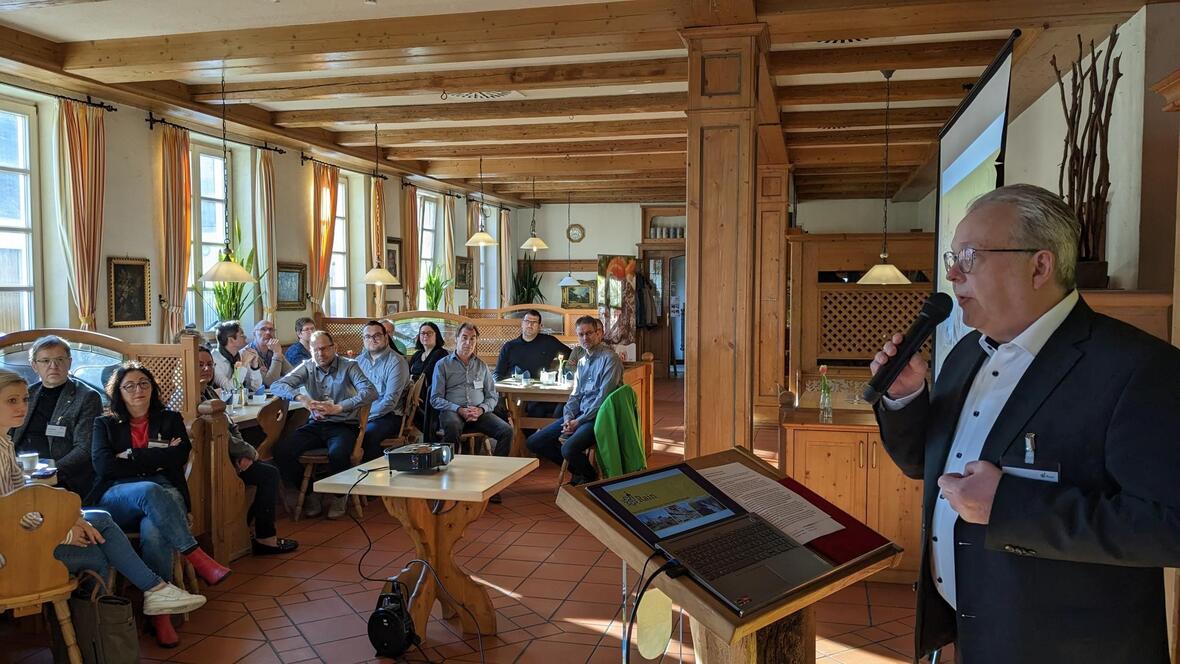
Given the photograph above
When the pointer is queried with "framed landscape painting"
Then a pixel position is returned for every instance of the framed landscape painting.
(129, 292)
(582, 296)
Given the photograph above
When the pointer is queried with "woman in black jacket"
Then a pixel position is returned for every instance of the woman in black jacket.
(140, 450)
(430, 349)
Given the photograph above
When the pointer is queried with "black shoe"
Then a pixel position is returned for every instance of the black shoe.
(496, 499)
(284, 546)
(575, 480)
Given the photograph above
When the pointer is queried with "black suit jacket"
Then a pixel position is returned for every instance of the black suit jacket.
(112, 436)
(77, 407)
(1066, 572)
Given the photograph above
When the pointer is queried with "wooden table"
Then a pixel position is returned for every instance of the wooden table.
(435, 509)
(516, 395)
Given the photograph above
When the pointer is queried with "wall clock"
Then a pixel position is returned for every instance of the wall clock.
(575, 233)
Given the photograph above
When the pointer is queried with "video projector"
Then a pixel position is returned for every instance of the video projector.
(418, 458)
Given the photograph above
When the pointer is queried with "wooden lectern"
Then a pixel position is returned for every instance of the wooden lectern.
(783, 633)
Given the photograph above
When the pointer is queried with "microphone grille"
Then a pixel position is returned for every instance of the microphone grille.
(938, 307)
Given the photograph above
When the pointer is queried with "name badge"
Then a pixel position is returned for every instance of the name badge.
(1039, 472)
(55, 430)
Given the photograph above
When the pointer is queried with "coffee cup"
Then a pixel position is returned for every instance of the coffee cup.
(28, 461)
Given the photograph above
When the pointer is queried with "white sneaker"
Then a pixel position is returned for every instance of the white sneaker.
(170, 599)
(338, 507)
(312, 505)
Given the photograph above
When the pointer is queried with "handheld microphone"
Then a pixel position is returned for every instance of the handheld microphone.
(934, 311)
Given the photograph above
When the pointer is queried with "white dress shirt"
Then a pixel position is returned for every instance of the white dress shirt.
(996, 379)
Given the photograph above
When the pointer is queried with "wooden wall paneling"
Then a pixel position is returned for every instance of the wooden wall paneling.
(771, 301)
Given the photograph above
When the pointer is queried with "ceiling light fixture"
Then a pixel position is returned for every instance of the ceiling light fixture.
(883, 273)
(227, 270)
(481, 237)
(535, 243)
(379, 275)
(568, 279)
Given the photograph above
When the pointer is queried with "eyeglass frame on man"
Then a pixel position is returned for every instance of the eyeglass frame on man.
(952, 258)
(54, 361)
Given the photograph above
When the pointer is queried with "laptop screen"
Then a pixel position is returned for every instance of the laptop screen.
(666, 502)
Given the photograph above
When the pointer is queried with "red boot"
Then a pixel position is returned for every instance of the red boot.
(165, 635)
(210, 571)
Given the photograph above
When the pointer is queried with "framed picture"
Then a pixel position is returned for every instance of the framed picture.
(393, 256)
(463, 278)
(582, 296)
(292, 286)
(393, 308)
(129, 292)
(393, 298)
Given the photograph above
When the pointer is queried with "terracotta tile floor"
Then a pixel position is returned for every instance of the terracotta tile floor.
(556, 591)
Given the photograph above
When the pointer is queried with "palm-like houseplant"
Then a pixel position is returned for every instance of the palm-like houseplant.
(434, 287)
(526, 283)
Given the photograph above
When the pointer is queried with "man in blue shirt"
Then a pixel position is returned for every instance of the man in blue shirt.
(599, 372)
(334, 388)
(390, 374)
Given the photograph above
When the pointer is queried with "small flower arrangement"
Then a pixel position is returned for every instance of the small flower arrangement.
(825, 385)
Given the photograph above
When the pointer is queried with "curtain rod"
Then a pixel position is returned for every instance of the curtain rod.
(451, 194)
(303, 159)
(89, 101)
(154, 120)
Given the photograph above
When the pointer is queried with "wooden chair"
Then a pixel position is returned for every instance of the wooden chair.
(272, 418)
(29, 574)
(413, 398)
(565, 466)
(313, 459)
(471, 441)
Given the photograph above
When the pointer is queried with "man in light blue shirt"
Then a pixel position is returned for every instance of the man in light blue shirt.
(599, 372)
(389, 373)
(334, 388)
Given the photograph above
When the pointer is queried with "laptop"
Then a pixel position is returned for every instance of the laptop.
(738, 556)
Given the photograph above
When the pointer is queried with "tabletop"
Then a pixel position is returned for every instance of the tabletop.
(533, 388)
(468, 477)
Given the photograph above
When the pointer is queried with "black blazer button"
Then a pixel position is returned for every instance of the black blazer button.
(1009, 548)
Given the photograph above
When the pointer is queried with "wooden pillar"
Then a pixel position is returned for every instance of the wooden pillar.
(770, 313)
(722, 148)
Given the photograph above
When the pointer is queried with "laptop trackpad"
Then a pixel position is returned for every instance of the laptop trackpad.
(797, 566)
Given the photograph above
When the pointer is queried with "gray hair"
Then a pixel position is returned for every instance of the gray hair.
(46, 342)
(8, 377)
(1044, 222)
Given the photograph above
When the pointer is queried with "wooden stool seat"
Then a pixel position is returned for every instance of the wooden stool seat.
(473, 440)
(318, 457)
(410, 406)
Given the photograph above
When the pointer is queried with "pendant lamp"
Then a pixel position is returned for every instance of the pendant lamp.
(883, 273)
(568, 279)
(226, 270)
(535, 243)
(379, 275)
(481, 237)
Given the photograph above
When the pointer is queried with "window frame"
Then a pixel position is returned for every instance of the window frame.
(31, 232)
(427, 263)
(339, 236)
(194, 308)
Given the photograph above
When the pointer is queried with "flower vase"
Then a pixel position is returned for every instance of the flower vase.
(825, 405)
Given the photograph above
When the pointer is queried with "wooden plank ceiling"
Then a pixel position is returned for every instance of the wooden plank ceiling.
(580, 102)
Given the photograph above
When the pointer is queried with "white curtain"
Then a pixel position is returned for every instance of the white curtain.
(507, 254)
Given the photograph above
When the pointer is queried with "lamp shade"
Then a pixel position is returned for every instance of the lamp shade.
(382, 277)
(883, 274)
(535, 243)
(228, 272)
(481, 239)
(568, 280)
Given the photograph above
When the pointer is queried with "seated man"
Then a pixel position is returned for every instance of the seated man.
(300, 351)
(390, 374)
(270, 352)
(532, 351)
(393, 342)
(259, 474)
(463, 393)
(60, 420)
(599, 372)
(335, 388)
(233, 353)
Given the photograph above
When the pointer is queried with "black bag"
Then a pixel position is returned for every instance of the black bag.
(104, 625)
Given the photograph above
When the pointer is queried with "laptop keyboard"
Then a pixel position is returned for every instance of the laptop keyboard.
(741, 547)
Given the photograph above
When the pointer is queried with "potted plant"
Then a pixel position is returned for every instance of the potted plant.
(231, 300)
(526, 283)
(434, 287)
(1084, 179)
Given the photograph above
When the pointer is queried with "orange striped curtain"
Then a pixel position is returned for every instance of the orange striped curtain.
(410, 249)
(507, 254)
(266, 214)
(82, 142)
(448, 231)
(378, 243)
(178, 232)
(323, 215)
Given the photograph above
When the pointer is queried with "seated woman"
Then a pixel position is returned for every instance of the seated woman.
(94, 542)
(140, 450)
(261, 475)
(429, 345)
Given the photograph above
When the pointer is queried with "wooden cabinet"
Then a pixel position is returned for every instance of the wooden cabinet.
(845, 462)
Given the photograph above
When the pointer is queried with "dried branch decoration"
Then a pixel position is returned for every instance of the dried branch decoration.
(1084, 178)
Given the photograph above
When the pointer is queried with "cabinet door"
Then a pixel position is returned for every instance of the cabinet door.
(833, 464)
(894, 505)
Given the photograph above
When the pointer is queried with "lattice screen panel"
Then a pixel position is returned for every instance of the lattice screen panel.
(169, 373)
(856, 321)
(346, 335)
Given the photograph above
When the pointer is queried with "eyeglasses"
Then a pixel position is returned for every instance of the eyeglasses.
(965, 258)
(371, 337)
(141, 386)
(529, 321)
(55, 361)
(266, 329)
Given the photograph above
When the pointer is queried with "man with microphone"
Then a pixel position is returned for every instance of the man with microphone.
(1049, 453)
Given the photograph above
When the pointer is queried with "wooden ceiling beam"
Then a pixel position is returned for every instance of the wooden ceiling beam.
(550, 149)
(525, 189)
(862, 136)
(838, 119)
(899, 155)
(666, 195)
(868, 92)
(838, 195)
(637, 164)
(856, 169)
(867, 179)
(487, 110)
(605, 130)
(721, 12)
(937, 55)
(539, 77)
(610, 27)
(580, 178)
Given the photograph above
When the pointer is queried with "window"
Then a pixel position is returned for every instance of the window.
(337, 299)
(210, 197)
(17, 124)
(428, 213)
